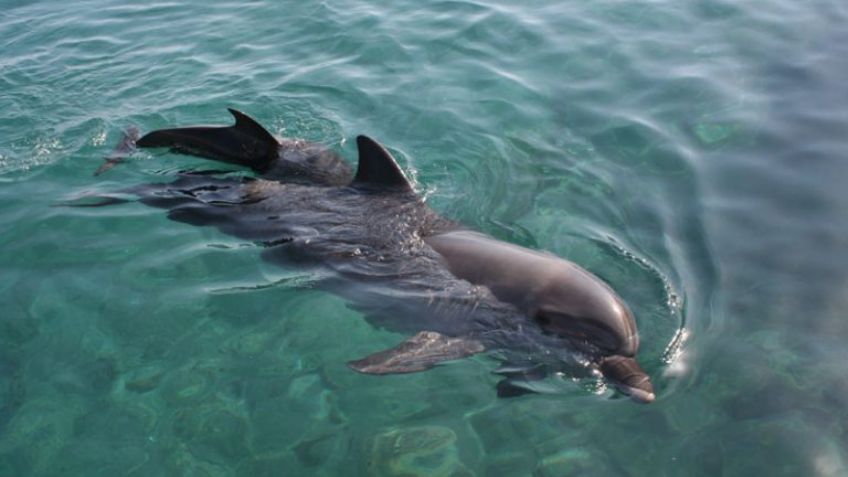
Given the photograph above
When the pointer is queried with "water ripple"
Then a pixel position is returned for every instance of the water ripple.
(689, 153)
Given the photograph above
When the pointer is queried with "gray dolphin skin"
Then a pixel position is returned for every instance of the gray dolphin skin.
(406, 268)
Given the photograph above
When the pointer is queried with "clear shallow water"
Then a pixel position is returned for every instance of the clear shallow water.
(691, 154)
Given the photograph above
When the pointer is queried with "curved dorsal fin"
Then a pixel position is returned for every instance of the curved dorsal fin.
(377, 168)
(249, 126)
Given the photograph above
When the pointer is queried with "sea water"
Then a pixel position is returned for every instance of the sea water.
(692, 154)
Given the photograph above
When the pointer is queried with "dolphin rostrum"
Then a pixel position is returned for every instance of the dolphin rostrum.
(406, 268)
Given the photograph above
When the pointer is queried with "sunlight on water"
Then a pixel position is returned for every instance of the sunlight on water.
(690, 154)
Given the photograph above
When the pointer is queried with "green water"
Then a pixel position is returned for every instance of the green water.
(691, 153)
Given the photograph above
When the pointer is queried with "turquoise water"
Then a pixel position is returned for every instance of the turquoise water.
(693, 154)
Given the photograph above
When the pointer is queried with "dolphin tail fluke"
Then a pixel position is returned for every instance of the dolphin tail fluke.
(419, 353)
(125, 147)
(245, 143)
(628, 377)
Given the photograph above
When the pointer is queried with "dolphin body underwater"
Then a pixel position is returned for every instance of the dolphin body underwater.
(403, 266)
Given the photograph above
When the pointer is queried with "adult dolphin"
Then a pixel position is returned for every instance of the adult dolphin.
(403, 265)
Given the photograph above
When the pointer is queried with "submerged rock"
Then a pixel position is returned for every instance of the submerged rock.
(33, 438)
(267, 465)
(94, 456)
(130, 421)
(509, 464)
(577, 461)
(322, 450)
(181, 461)
(251, 343)
(213, 433)
(191, 385)
(416, 452)
(143, 379)
(285, 413)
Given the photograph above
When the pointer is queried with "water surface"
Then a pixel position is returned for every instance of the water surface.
(690, 153)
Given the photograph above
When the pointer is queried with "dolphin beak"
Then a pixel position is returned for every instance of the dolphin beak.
(628, 377)
(639, 395)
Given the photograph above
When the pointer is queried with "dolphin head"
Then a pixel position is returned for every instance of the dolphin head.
(577, 306)
(595, 331)
(570, 305)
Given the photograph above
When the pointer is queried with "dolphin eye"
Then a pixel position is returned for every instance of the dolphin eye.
(543, 319)
(558, 323)
(578, 329)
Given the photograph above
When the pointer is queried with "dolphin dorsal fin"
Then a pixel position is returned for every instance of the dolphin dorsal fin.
(377, 168)
(249, 126)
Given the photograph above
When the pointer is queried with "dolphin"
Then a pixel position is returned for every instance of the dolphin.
(458, 292)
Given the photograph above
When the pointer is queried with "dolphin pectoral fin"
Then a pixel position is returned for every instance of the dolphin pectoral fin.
(245, 143)
(418, 353)
(509, 387)
(517, 381)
